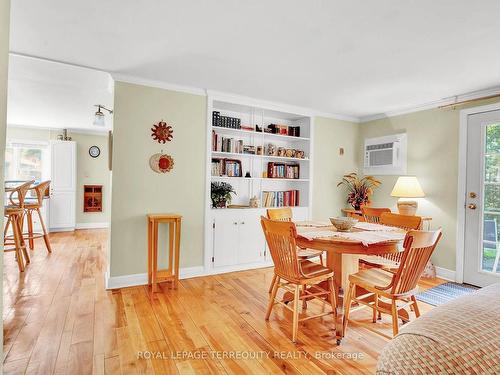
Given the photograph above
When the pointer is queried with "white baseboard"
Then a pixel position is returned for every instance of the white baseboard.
(91, 225)
(124, 281)
(445, 273)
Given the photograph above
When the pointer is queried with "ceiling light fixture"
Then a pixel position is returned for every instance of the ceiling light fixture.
(99, 116)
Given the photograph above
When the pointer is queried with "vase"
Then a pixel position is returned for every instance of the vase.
(219, 203)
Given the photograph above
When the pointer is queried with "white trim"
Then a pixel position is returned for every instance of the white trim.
(137, 279)
(445, 273)
(91, 225)
(158, 84)
(461, 184)
(434, 104)
(103, 132)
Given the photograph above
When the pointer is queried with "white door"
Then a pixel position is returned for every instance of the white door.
(225, 241)
(63, 166)
(251, 239)
(62, 210)
(482, 218)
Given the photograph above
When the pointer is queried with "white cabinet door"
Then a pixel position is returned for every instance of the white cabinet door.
(63, 166)
(251, 239)
(62, 210)
(225, 241)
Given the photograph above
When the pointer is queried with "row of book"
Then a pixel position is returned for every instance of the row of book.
(282, 170)
(225, 121)
(293, 131)
(224, 144)
(289, 198)
(226, 167)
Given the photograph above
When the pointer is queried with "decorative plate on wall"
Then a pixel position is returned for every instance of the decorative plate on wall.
(94, 151)
(162, 132)
(161, 163)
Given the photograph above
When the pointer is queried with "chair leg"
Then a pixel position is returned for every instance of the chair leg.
(276, 282)
(375, 308)
(304, 302)
(17, 243)
(29, 219)
(9, 219)
(272, 284)
(333, 298)
(295, 321)
(347, 304)
(45, 234)
(395, 328)
(415, 306)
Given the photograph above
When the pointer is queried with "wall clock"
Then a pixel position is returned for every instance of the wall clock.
(94, 151)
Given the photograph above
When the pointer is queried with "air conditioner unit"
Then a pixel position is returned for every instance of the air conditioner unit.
(385, 155)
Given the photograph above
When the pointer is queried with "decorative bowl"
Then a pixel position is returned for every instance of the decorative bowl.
(343, 224)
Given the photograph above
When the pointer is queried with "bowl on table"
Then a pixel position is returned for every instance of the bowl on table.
(343, 224)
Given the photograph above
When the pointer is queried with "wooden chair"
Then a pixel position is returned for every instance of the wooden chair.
(396, 287)
(14, 213)
(372, 214)
(297, 275)
(391, 261)
(285, 214)
(30, 208)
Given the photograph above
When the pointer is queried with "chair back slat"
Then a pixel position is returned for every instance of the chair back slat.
(280, 214)
(406, 222)
(18, 194)
(40, 190)
(372, 214)
(280, 237)
(419, 246)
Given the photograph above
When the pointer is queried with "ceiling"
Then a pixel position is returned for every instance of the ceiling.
(53, 95)
(355, 58)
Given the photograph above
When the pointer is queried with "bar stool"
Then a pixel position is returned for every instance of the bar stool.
(15, 214)
(29, 209)
(156, 276)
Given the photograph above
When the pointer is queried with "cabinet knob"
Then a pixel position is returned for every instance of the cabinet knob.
(242, 222)
(235, 223)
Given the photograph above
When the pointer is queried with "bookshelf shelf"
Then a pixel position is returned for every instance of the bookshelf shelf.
(233, 236)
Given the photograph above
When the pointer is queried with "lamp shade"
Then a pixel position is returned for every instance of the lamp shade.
(99, 119)
(407, 187)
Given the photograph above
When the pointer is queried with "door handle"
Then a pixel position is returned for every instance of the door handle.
(472, 206)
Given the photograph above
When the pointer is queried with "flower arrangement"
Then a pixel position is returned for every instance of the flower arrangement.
(220, 192)
(358, 190)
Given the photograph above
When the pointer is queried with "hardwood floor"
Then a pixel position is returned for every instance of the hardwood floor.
(59, 319)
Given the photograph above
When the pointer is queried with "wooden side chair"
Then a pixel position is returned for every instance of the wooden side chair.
(14, 213)
(391, 261)
(285, 214)
(400, 287)
(30, 209)
(372, 214)
(297, 275)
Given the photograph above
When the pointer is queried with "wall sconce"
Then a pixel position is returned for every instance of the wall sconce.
(99, 116)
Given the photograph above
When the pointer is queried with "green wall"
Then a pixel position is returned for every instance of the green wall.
(137, 190)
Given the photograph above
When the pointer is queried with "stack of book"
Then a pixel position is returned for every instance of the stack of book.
(282, 170)
(225, 121)
(224, 144)
(226, 167)
(293, 131)
(289, 198)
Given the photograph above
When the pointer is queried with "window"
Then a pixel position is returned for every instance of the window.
(26, 160)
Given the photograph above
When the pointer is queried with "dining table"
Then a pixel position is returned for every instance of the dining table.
(343, 251)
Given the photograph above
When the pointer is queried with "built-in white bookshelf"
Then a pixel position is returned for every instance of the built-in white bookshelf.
(253, 148)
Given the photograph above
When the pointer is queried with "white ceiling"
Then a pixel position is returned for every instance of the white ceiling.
(354, 58)
(52, 95)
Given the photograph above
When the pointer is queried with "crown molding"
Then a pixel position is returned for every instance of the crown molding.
(158, 84)
(433, 105)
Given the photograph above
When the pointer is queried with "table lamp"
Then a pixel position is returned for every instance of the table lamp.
(407, 187)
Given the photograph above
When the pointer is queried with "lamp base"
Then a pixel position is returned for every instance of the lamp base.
(407, 207)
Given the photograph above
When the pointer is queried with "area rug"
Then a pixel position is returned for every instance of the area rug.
(443, 293)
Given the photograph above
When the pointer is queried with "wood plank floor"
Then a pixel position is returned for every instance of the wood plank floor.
(59, 319)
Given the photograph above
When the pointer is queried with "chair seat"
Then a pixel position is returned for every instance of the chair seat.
(9, 210)
(313, 270)
(377, 261)
(308, 253)
(371, 278)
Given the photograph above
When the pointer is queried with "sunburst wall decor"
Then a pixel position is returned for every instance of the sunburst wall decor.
(162, 132)
(161, 163)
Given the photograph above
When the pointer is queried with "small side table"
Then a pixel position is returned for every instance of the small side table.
(171, 274)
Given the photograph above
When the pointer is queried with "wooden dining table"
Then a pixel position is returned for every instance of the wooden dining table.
(342, 256)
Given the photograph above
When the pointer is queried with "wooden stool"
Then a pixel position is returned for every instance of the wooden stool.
(174, 238)
(30, 208)
(14, 216)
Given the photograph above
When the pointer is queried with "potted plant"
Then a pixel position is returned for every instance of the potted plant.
(221, 194)
(358, 190)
